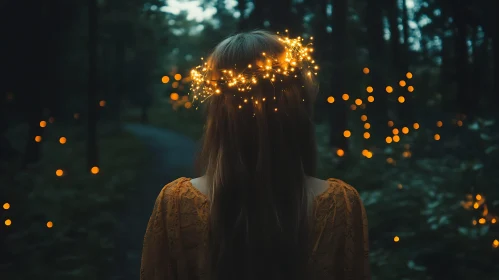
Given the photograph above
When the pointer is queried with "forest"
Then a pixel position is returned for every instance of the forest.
(96, 116)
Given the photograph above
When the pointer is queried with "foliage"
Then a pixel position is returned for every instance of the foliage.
(82, 207)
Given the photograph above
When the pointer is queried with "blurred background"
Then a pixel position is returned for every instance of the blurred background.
(96, 118)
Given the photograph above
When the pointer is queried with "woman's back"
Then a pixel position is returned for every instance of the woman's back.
(176, 239)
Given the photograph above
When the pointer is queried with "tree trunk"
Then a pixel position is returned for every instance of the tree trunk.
(258, 15)
(338, 110)
(92, 149)
(405, 24)
(495, 47)
(399, 58)
(281, 16)
(322, 44)
(393, 16)
(241, 8)
(120, 82)
(378, 111)
(464, 100)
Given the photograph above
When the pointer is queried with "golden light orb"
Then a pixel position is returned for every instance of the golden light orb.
(94, 170)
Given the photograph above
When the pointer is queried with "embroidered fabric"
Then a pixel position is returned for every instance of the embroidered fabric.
(177, 233)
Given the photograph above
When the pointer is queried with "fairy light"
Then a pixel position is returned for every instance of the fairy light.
(366, 70)
(402, 83)
(370, 89)
(165, 79)
(174, 96)
(345, 96)
(6, 206)
(396, 239)
(367, 125)
(409, 75)
(94, 170)
(330, 100)
(370, 98)
(477, 203)
(43, 124)
(340, 152)
(297, 58)
(358, 101)
(38, 139)
(389, 89)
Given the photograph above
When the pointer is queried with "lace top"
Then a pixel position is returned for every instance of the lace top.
(176, 235)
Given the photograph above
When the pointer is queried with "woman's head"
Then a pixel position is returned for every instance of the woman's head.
(242, 112)
(258, 145)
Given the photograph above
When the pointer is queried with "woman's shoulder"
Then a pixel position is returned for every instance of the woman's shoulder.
(340, 193)
(182, 191)
(337, 185)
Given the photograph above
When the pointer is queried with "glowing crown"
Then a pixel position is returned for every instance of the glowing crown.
(296, 59)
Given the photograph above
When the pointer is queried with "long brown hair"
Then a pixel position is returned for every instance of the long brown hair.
(255, 158)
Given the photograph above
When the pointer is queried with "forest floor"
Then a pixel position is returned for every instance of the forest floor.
(171, 155)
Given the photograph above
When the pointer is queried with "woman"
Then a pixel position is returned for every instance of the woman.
(257, 212)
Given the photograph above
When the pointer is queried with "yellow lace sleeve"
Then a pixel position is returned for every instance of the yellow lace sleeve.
(357, 238)
(155, 264)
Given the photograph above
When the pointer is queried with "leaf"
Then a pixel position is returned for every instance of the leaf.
(412, 265)
(491, 149)
(444, 220)
(485, 137)
(463, 231)
(484, 230)
(477, 166)
(474, 126)
(488, 122)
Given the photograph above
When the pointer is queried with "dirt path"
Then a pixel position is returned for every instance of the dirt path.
(171, 155)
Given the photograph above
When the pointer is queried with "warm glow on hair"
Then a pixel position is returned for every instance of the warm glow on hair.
(296, 59)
